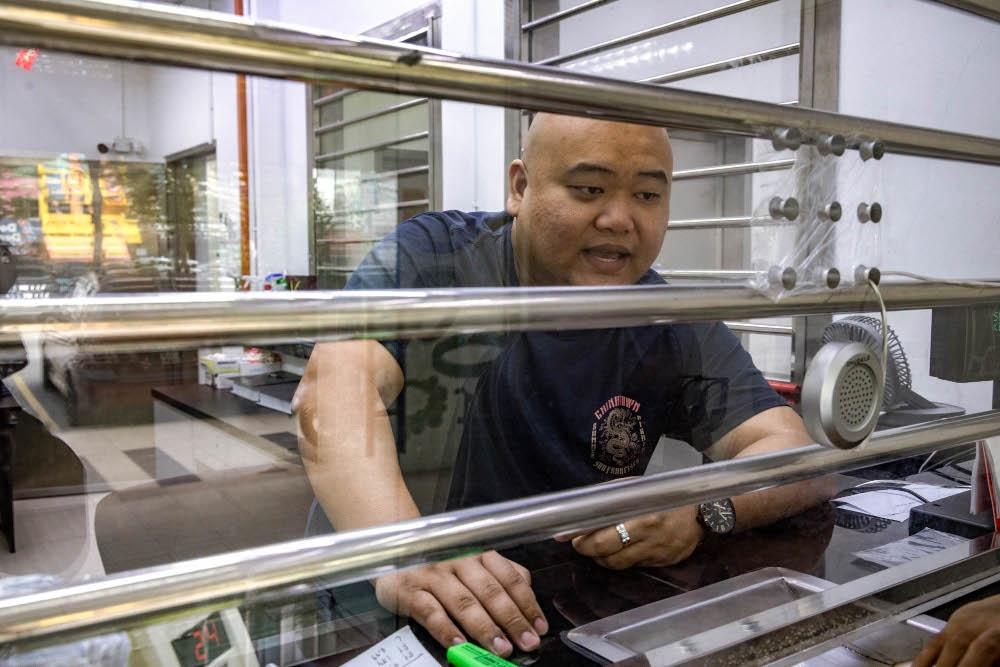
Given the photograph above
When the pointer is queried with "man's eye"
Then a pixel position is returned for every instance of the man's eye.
(588, 189)
(648, 196)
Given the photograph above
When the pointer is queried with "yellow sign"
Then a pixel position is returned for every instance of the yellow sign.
(65, 207)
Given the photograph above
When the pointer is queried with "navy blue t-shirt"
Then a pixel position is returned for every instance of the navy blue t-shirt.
(545, 411)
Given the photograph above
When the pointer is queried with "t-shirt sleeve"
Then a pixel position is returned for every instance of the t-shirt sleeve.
(416, 255)
(719, 387)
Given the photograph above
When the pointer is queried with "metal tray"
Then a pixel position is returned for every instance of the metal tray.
(644, 628)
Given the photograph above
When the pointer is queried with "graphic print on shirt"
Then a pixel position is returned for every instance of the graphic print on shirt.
(617, 438)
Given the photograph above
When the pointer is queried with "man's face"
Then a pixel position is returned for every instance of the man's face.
(591, 201)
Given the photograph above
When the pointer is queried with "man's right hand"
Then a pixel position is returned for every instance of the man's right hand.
(489, 596)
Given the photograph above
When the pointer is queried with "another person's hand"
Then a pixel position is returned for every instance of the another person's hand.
(489, 596)
(971, 638)
(655, 540)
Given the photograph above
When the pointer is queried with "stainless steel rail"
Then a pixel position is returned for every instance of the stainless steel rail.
(989, 9)
(725, 65)
(386, 143)
(396, 108)
(184, 320)
(734, 169)
(656, 31)
(752, 327)
(356, 555)
(733, 222)
(564, 14)
(205, 40)
(710, 274)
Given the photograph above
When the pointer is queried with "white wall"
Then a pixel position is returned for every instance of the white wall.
(69, 104)
(351, 18)
(474, 170)
(936, 67)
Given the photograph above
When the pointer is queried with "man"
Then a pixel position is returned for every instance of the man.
(588, 205)
(971, 638)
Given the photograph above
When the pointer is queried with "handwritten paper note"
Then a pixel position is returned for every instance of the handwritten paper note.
(400, 649)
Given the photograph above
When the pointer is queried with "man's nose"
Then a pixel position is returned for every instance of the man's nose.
(616, 216)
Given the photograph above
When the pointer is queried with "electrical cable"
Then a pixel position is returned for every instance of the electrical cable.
(879, 485)
(885, 330)
(954, 459)
(926, 461)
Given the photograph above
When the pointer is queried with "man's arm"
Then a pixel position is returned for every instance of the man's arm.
(670, 537)
(345, 437)
(773, 430)
(350, 457)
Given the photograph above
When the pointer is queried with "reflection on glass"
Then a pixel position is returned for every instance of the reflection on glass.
(138, 227)
(361, 197)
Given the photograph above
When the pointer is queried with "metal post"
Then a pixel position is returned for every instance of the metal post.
(819, 88)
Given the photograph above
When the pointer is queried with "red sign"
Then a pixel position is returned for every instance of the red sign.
(26, 58)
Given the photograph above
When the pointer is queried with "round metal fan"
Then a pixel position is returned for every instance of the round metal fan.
(868, 330)
(901, 404)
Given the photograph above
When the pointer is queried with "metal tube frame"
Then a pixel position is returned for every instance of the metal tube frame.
(727, 223)
(709, 274)
(819, 87)
(373, 146)
(734, 169)
(262, 573)
(656, 31)
(725, 65)
(555, 17)
(203, 40)
(751, 327)
(988, 9)
(388, 206)
(341, 124)
(394, 174)
(183, 321)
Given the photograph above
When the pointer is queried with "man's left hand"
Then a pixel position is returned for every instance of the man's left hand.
(655, 540)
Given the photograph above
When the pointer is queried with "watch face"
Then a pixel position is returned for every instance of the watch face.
(719, 516)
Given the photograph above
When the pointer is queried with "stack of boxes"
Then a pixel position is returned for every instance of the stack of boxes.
(218, 367)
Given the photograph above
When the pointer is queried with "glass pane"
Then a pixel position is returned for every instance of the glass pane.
(375, 130)
(357, 104)
(156, 428)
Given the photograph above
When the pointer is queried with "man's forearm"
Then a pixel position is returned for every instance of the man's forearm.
(346, 438)
(765, 507)
(359, 486)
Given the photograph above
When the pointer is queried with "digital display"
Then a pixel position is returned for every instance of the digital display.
(203, 643)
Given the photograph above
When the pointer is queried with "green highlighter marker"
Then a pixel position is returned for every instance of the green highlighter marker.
(470, 655)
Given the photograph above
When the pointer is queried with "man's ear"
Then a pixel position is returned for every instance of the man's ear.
(517, 183)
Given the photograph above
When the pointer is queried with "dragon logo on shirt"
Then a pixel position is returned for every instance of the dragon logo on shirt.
(617, 438)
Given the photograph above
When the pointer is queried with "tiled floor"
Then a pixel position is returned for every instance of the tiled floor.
(55, 535)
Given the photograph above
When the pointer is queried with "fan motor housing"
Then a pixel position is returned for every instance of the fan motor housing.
(842, 394)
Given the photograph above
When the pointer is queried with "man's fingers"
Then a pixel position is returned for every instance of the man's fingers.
(951, 653)
(425, 609)
(569, 537)
(498, 603)
(465, 607)
(985, 650)
(599, 544)
(930, 652)
(522, 570)
(622, 560)
(518, 587)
